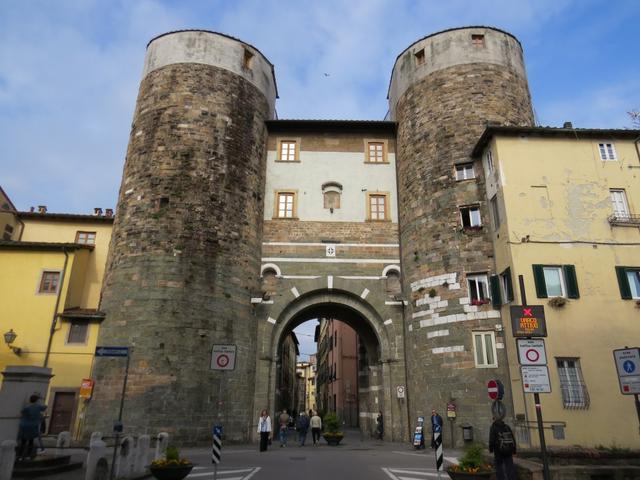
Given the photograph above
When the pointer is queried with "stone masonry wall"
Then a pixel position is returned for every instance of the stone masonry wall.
(439, 120)
(185, 257)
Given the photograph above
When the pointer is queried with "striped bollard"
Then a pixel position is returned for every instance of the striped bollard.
(437, 439)
(215, 454)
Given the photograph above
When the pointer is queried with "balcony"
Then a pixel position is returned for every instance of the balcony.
(624, 220)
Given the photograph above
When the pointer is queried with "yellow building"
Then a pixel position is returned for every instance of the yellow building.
(52, 268)
(563, 208)
(307, 370)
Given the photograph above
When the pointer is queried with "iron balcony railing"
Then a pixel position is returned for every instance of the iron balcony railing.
(625, 219)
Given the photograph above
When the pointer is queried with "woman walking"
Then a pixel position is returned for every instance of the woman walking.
(264, 429)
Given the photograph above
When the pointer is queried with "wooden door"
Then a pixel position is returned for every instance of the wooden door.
(62, 412)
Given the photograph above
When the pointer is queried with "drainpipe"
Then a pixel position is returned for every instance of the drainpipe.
(54, 319)
(635, 142)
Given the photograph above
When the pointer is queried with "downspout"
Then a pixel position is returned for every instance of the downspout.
(635, 142)
(54, 319)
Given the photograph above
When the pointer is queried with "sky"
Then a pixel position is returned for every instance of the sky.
(70, 71)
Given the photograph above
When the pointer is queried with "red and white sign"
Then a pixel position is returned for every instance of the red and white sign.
(492, 388)
(531, 351)
(223, 357)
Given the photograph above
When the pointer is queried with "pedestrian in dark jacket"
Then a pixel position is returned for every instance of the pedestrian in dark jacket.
(302, 426)
(436, 426)
(502, 444)
(380, 426)
(30, 420)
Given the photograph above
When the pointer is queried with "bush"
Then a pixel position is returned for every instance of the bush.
(472, 461)
(331, 423)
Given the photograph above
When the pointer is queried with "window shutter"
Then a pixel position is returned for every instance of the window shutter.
(507, 274)
(538, 278)
(572, 282)
(623, 283)
(496, 299)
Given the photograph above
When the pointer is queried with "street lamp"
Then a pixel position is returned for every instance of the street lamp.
(9, 338)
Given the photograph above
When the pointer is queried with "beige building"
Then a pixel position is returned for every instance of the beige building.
(565, 214)
(307, 393)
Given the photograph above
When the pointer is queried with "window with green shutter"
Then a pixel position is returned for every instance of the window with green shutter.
(496, 298)
(629, 282)
(556, 281)
(507, 285)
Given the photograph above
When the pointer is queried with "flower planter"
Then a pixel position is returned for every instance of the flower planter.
(333, 439)
(470, 476)
(171, 472)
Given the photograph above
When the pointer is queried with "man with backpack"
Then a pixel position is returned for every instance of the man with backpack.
(503, 445)
(302, 426)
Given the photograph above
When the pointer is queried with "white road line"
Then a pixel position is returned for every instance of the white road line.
(257, 469)
(400, 474)
(407, 453)
(391, 475)
(252, 471)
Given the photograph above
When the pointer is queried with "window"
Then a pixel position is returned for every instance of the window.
(619, 203)
(247, 60)
(464, 171)
(478, 286)
(378, 206)
(49, 282)
(556, 281)
(477, 41)
(495, 211)
(376, 151)
(419, 56)
(470, 216)
(629, 282)
(607, 151)
(86, 238)
(574, 391)
(78, 332)
(288, 151)
(285, 205)
(489, 159)
(506, 285)
(484, 344)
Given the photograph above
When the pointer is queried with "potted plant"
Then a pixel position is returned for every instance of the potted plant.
(471, 466)
(332, 433)
(171, 467)
(557, 302)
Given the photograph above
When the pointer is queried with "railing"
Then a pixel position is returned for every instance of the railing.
(624, 219)
(575, 396)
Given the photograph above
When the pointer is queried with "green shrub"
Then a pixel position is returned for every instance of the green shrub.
(331, 423)
(172, 453)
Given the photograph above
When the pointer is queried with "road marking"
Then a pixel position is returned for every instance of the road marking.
(222, 473)
(401, 474)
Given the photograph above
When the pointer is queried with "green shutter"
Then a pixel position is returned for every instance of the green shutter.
(509, 285)
(571, 280)
(623, 283)
(496, 299)
(538, 278)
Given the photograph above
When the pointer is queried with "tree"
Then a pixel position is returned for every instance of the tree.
(634, 115)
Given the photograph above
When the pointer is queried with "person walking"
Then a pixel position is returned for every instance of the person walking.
(502, 444)
(316, 426)
(436, 426)
(284, 425)
(302, 425)
(29, 428)
(379, 426)
(264, 429)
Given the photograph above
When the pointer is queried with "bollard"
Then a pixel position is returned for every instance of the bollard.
(142, 455)
(7, 458)
(96, 461)
(62, 442)
(161, 445)
(125, 457)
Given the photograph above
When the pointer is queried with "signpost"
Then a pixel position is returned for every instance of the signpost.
(531, 351)
(437, 440)
(492, 389)
(102, 351)
(628, 367)
(400, 391)
(223, 357)
(217, 449)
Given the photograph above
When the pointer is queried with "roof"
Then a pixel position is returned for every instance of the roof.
(11, 245)
(76, 217)
(574, 133)
(83, 313)
(295, 125)
(11, 205)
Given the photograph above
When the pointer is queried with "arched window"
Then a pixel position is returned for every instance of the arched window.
(269, 282)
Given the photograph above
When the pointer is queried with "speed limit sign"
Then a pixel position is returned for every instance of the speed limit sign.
(223, 357)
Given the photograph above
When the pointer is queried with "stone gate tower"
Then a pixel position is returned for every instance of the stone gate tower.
(185, 251)
(445, 88)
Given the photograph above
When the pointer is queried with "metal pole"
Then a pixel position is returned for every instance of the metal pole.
(124, 389)
(637, 407)
(536, 399)
(215, 471)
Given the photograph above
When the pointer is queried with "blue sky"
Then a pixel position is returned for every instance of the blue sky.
(70, 69)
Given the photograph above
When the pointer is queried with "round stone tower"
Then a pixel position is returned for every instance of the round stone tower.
(444, 90)
(185, 252)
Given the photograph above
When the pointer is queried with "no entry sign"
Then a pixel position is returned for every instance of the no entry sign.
(531, 351)
(223, 357)
(492, 388)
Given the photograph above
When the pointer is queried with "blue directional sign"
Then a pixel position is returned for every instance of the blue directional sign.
(629, 366)
(112, 351)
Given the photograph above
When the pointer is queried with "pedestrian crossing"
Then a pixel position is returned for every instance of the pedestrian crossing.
(413, 473)
(224, 473)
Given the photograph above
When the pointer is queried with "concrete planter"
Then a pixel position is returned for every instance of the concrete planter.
(333, 438)
(171, 472)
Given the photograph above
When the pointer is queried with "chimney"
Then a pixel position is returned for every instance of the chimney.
(97, 211)
(108, 212)
(32, 209)
(42, 209)
(567, 125)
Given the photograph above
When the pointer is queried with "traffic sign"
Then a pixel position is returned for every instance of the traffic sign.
(112, 351)
(535, 379)
(628, 367)
(223, 357)
(531, 351)
(400, 391)
(528, 321)
(492, 388)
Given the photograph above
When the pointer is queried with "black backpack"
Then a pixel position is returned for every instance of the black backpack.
(506, 444)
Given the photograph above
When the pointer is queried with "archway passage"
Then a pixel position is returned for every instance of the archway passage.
(355, 372)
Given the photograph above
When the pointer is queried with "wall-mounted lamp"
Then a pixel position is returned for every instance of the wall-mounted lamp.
(9, 338)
